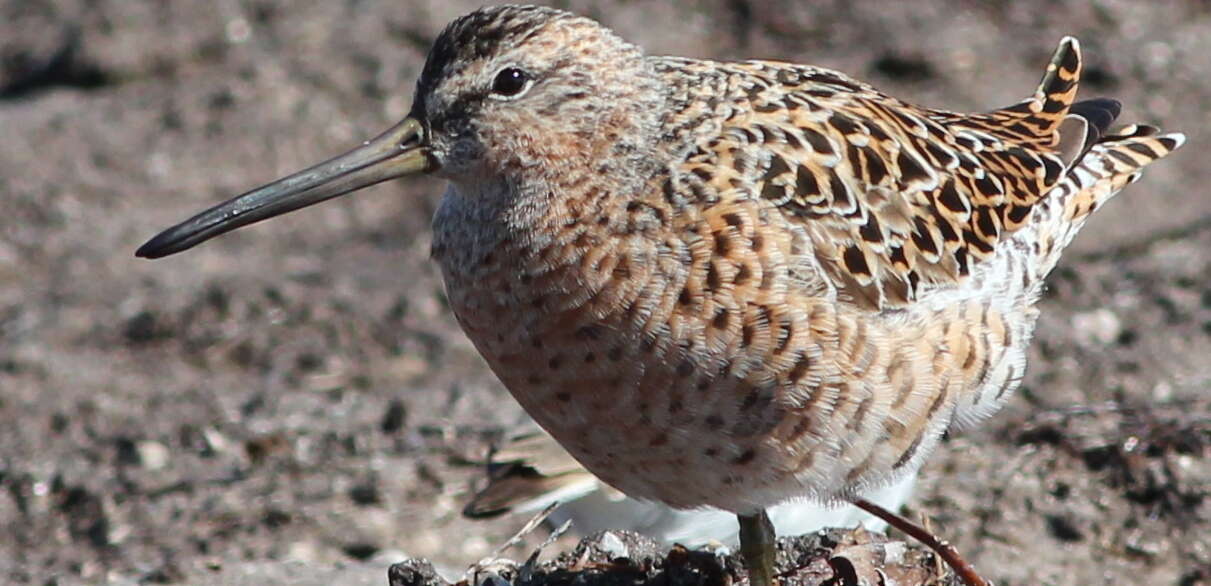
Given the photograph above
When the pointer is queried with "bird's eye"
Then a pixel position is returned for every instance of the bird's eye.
(510, 82)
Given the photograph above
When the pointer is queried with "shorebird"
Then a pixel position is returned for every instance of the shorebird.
(730, 284)
(530, 471)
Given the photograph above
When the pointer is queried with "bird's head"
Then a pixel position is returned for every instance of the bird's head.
(515, 95)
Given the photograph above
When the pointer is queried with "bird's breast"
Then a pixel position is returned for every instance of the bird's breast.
(649, 354)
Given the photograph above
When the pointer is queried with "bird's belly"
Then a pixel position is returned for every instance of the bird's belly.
(611, 398)
(737, 406)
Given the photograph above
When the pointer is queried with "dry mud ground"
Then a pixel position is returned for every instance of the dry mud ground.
(293, 403)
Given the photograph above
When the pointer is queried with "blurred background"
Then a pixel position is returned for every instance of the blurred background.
(298, 391)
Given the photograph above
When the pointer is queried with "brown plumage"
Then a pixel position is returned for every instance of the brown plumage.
(731, 284)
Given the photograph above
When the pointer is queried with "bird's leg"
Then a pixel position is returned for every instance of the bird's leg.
(947, 552)
(758, 546)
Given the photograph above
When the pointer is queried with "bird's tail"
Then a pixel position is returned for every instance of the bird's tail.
(1115, 159)
(1097, 161)
(1035, 122)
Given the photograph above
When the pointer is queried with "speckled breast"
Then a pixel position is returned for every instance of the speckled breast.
(692, 369)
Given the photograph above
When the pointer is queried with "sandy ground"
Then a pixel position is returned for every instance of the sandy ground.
(293, 403)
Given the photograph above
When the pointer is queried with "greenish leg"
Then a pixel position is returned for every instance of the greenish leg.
(757, 545)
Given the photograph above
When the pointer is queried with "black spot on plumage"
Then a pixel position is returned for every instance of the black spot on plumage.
(856, 159)
(876, 169)
(841, 197)
(723, 244)
(712, 278)
(911, 171)
(793, 141)
(1069, 63)
(786, 330)
(950, 198)
(796, 101)
(773, 191)
(898, 257)
(987, 224)
(877, 132)
(944, 227)
(742, 275)
(1018, 214)
(762, 314)
(981, 246)
(746, 335)
(721, 318)
(922, 237)
(908, 122)
(777, 167)
(751, 399)
(855, 261)
(961, 260)
(941, 157)
(1100, 112)
(799, 370)
(965, 141)
(806, 185)
(844, 124)
(772, 134)
(1051, 170)
(988, 186)
(819, 142)
(870, 231)
(670, 191)
(1053, 106)
(1021, 129)
(702, 193)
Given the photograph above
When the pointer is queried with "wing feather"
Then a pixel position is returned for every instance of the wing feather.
(894, 197)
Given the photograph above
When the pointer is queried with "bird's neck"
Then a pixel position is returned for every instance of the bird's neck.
(555, 193)
(521, 222)
(563, 189)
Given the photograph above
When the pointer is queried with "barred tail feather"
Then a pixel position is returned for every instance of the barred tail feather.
(1115, 160)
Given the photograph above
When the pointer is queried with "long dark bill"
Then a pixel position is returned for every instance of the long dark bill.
(398, 152)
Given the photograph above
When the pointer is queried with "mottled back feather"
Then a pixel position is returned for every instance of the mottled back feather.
(894, 196)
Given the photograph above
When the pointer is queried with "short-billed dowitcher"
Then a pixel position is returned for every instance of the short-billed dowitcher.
(730, 284)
